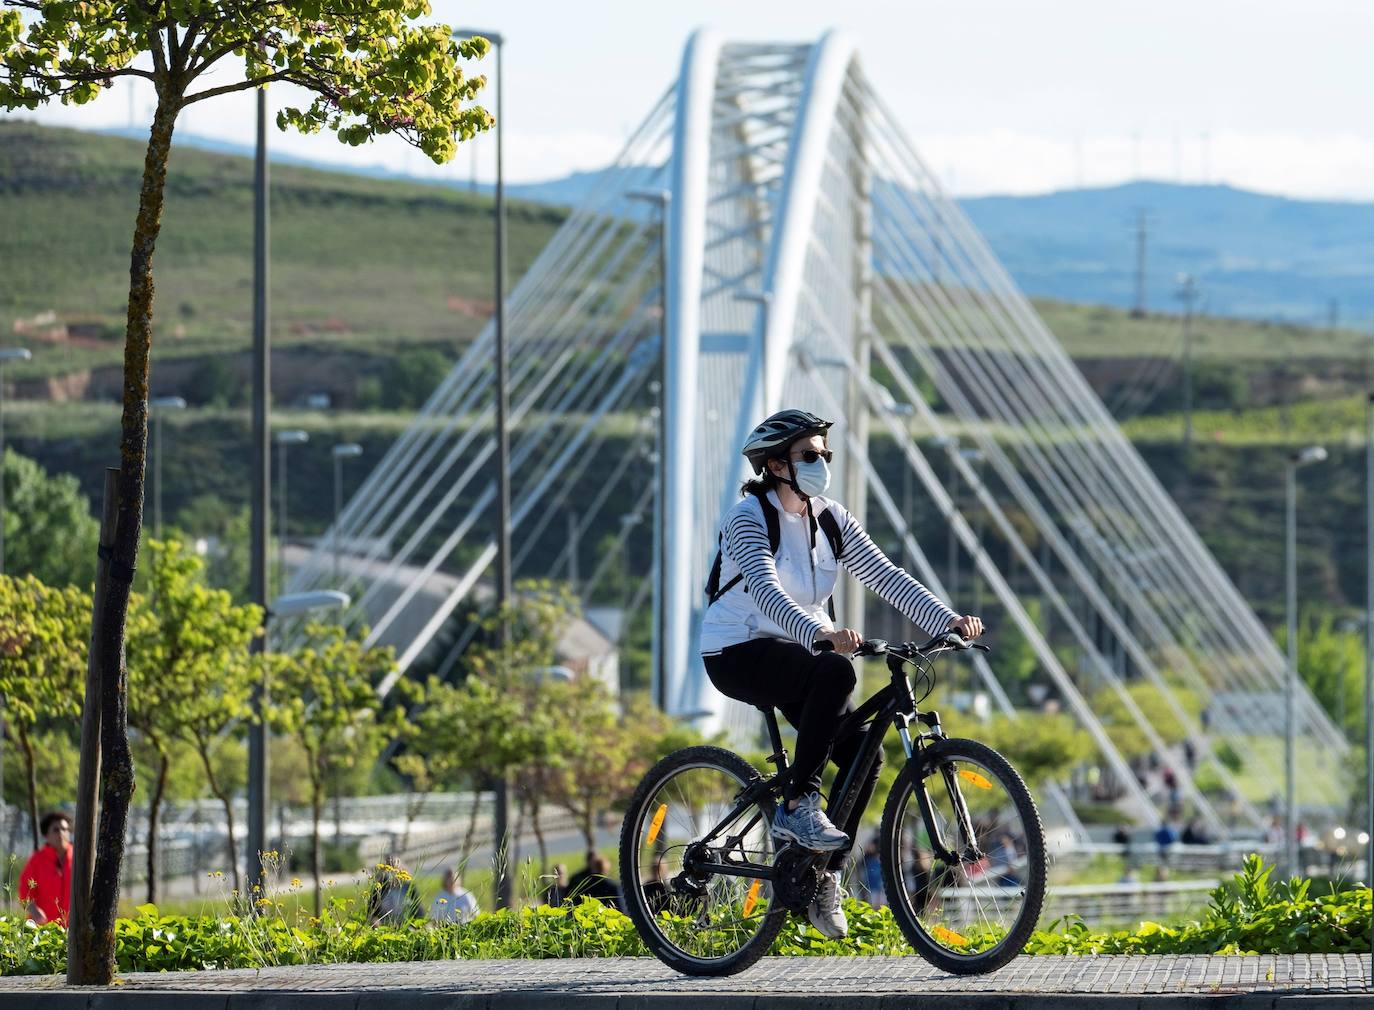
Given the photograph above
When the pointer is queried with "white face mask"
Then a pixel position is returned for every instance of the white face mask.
(812, 478)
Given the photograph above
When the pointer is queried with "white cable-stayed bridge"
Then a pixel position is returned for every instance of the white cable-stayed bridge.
(813, 260)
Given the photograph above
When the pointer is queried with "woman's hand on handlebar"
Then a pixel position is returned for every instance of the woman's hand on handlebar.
(846, 641)
(968, 626)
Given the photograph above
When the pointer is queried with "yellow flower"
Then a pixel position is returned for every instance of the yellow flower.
(295, 881)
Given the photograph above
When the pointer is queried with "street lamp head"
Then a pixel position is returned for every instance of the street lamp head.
(495, 38)
(15, 354)
(292, 436)
(347, 450)
(167, 403)
(1309, 454)
(300, 603)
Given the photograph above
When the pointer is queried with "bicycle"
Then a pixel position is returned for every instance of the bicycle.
(961, 846)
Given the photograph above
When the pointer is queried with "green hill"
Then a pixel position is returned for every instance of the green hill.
(358, 264)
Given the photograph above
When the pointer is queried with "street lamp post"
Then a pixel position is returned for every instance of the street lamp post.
(6, 354)
(340, 452)
(975, 456)
(292, 436)
(503, 554)
(260, 490)
(158, 405)
(1369, 639)
(661, 198)
(1303, 457)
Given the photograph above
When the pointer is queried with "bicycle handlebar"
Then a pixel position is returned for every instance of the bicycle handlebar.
(950, 640)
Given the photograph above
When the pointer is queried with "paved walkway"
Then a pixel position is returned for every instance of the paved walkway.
(794, 983)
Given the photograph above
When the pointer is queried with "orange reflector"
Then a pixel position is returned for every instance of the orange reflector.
(752, 898)
(975, 778)
(948, 935)
(657, 822)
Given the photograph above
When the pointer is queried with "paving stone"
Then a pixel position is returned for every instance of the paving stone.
(859, 983)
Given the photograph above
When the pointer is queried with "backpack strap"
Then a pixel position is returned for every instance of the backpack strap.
(714, 590)
(831, 528)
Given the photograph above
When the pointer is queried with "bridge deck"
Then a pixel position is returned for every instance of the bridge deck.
(870, 983)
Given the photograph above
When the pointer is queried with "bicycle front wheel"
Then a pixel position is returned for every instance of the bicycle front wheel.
(963, 857)
(684, 817)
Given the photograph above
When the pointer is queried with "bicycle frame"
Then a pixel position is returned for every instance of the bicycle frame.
(893, 704)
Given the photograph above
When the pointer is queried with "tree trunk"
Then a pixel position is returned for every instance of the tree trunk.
(588, 819)
(538, 830)
(316, 863)
(155, 824)
(31, 777)
(117, 767)
(470, 837)
(203, 749)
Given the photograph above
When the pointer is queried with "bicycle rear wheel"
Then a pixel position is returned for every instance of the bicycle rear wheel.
(694, 920)
(965, 876)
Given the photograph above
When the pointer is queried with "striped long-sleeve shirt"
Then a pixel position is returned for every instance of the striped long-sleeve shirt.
(786, 595)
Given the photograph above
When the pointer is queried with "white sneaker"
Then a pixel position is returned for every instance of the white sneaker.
(824, 911)
(808, 826)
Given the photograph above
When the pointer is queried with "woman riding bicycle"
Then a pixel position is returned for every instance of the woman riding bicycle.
(768, 609)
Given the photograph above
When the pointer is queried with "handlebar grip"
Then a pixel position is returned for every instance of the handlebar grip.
(823, 646)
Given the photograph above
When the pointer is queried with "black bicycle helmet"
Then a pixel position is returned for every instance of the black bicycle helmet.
(774, 435)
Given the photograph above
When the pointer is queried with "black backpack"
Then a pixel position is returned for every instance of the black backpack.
(825, 522)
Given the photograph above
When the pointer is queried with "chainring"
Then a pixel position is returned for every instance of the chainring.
(796, 876)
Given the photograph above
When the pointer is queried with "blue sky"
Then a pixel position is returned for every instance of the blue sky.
(999, 95)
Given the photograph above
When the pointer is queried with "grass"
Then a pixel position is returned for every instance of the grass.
(351, 888)
(356, 262)
(1339, 419)
(1099, 331)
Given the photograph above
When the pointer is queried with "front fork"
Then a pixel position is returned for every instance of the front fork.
(961, 813)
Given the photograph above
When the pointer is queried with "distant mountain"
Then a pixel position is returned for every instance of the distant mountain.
(1252, 254)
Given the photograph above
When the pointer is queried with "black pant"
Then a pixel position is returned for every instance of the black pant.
(812, 692)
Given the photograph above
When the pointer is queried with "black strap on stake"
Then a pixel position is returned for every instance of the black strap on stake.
(118, 571)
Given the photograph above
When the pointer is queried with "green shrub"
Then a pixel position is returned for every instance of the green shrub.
(1247, 916)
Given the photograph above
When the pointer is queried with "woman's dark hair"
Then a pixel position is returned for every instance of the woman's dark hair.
(51, 818)
(760, 485)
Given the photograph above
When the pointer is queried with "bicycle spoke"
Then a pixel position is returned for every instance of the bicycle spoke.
(703, 915)
(970, 905)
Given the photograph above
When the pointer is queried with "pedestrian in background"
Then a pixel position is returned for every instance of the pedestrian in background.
(454, 902)
(45, 883)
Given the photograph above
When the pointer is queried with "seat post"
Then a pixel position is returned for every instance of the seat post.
(779, 756)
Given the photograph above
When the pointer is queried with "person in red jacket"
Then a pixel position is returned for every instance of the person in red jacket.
(45, 884)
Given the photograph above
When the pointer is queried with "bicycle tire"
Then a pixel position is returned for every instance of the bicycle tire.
(1036, 868)
(671, 955)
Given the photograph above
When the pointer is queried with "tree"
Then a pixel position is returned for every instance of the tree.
(42, 671)
(188, 674)
(325, 695)
(49, 531)
(368, 69)
(604, 765)
(1331, 663)
(190, 678)
(474, 732)
(1043, 747)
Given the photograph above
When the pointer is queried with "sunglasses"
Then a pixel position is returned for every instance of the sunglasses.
(811, 455)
